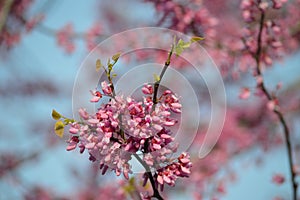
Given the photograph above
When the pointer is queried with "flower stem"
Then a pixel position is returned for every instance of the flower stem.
(279, 114)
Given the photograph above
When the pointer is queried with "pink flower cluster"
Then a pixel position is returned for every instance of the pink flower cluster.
(192, 17)
(65, 38)
(250, 7)
(215, 20)
(91, 36)
(124, 126)
(271, 32)
(171, 172)
(11, 29)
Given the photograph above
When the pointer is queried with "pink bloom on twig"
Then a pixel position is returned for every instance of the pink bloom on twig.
(244, 93)
(278, 179)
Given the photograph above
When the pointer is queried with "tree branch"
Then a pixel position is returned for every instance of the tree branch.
(279, 114)
(150, 176)
(156, 84)
(4, 13)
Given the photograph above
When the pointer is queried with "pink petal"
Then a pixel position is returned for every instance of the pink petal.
(95, 99)
(93, 121)
(169, 123)
(184, 160)
(167, 179)
(245, 93)
(155, 118)
(185, 170)
(83, 113)
(271, 105)
(71, 146)
(156, 146)
(176, 110)
(107, 158)
(90, 145)
(73, 130)
(157, 127)
(125, 173)
(114, 124)
(278, 179)
(160, 179)
(165, 136)
(176, 105)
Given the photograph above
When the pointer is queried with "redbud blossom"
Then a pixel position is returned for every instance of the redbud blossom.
(147, 89)
(244, 93)
(106, 88)
(96, 96)
(278, 179)
(124, 126)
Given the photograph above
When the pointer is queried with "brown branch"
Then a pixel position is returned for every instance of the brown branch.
(155, 101)
(150, 176)
(4, 13)
(279, 114)
(157, 83)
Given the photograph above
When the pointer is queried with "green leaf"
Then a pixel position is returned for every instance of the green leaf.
(116, 57)
(178, 51)
(59, 128)
(131, 181)
(98, 64)
(196, 39)
(180, 46)
(55, 115)
(183, 44)
(156, 77)
(68, 121)
(130, 187)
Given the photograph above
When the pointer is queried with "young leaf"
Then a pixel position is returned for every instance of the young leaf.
(156, 77)
(116, 57)
(130, 187)
(59, 128)
(196, 39)
(98, 64)
(69, 121)
(180, 46)
(183, 44)
(178, 50)
(55, 115)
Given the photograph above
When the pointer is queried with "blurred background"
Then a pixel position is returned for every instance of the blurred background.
(42, 46)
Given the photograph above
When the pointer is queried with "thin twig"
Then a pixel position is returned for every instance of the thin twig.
(155, 101)
(157, 83)
(150, 176)
(279, 114)
(4, 13)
